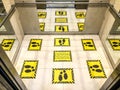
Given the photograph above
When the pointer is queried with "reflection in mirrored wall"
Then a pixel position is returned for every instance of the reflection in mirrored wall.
(8, 38)
(113, 41)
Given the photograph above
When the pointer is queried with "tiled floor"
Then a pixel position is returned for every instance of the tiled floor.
(74, 72)
(10, 53)
(82, 80)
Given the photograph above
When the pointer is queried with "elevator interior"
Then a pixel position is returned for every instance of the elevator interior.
(100, 22)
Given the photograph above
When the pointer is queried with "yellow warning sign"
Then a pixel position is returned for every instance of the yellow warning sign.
(29, 69)
(35, 44)
(62, 42)
(62, 75)
(42, 15)
(42, 26)
(88, 44)
(60, 13)
(80, 15)
(115, 43)
(80, 26)
(61, 28)
(95, 69)
(61, 20)
(7, 44)
(62, 56)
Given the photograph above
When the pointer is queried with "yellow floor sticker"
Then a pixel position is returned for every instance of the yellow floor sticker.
(80, 15)
(95, 69)
(62, 42)
(35, 44)
(42, 15)
(115, 43)
(61, 20)
(62, 75)
(7, 44)
(42, 26)
(61, 28)
(62, 56)
(60, 13)
(29, 69)
(80, 26)
(88, 44)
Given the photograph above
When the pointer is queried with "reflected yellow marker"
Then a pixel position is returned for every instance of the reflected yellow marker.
(61, 20)
(60, 13)
(7, 44)
(61, 28)
(115, 43)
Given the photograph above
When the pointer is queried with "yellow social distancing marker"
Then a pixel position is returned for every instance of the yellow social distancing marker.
(35, 44)
(42, 26)
(61, 20)
(29, 69)
(80, 15)
(62, 56)
(7, 44)
(60, 13)
(62, 42)
(115, 43)
(62, 75)
(42, 15)
(95, 69)
(88, 44)
(80, 26)
(61, 28)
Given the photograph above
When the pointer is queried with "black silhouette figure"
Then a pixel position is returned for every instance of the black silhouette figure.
(61, 28)
(95, 68)
(29, 68)
(63, 75)
(61, 42)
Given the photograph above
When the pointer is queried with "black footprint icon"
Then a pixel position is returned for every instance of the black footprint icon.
(61, 28)
(63, 75)
(29, 68)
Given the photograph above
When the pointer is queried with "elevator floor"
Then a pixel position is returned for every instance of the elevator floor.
(66, 66)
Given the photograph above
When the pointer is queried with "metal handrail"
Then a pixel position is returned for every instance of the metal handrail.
(8, 15)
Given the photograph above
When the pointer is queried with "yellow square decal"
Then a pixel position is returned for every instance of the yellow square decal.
(62, 75)
(88, 44)
(42, 26)
(80, 15)
(62, 56)
(35, 44)
(7, 44)
(29, 69)
(80, 26)
(61, 20)
(95, 69)
(60, 13)
(115, 43)
(42, 15)
(62, 42)
(61, 28)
